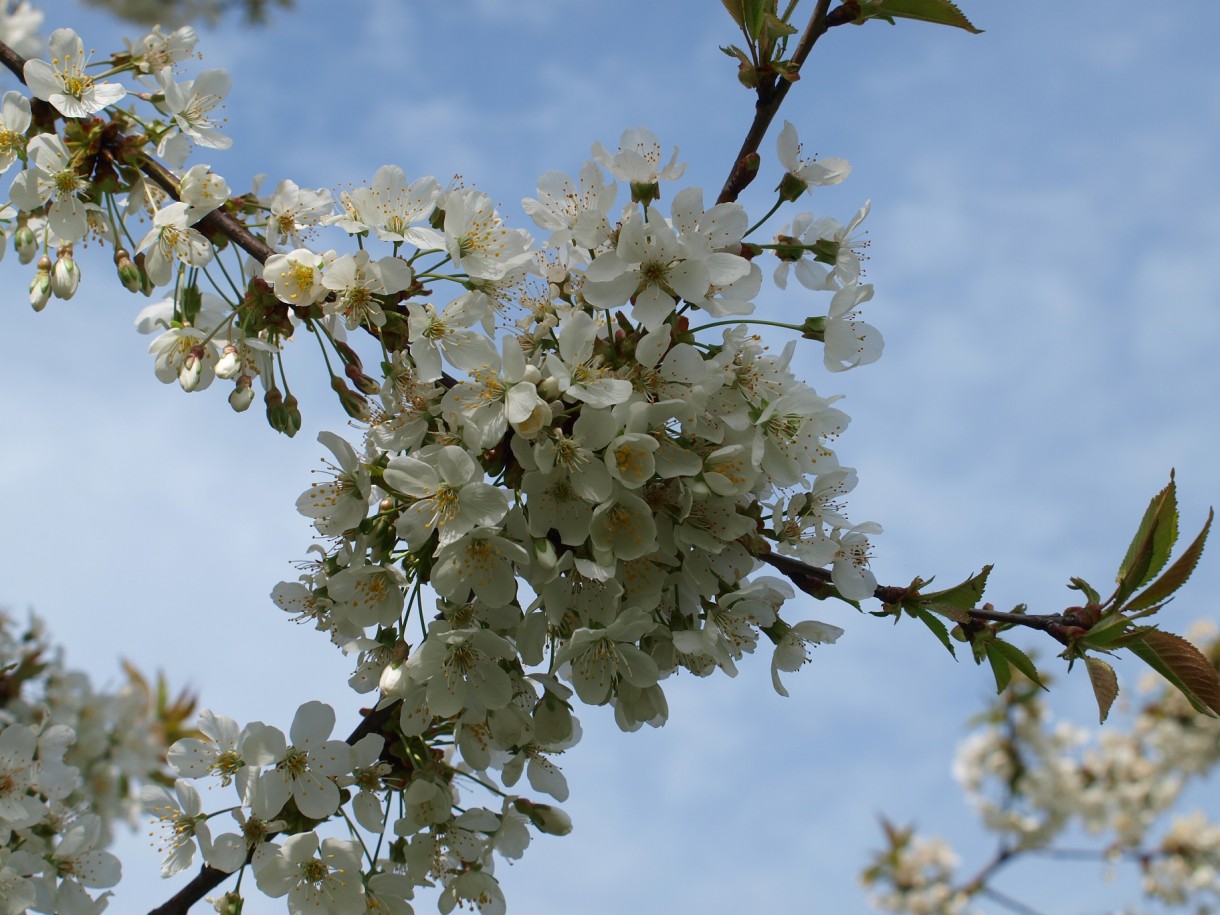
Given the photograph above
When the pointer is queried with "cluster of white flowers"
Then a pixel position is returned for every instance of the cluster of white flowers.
(1030, 778)
(71, 759)
(587, 495)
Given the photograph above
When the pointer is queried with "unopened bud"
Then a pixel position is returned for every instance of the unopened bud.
(294, 415)
(544, 552)
(364, 384)
(65, 278)
(546, 818)
(242, 395)
(231, 903)
(229, 364)
(129, 273)
(40, 287)
(25, 243)
(394, 681)
(191, 372)
(277, 413)
(354, 405)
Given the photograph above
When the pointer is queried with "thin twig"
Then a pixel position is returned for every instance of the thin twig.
(771, 94)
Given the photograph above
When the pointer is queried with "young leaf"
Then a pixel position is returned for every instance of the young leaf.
(999, 666)
(753, 13)
(938, 628)
(1153, 543)
(939, 12)
(1105, 684)
(954, 602)
(1177, 573)
(1183, 665)
(1018, 659)
(734, 8)
(1079, 584)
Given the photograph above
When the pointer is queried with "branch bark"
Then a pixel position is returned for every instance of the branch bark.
(771, 95)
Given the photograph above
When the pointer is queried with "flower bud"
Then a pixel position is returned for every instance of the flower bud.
(229, 364)
(394, 681)
(242, 395)
(546, 818)
(191, 372)
(277, 413)
(25, 243)
(129, 273)
(294, 415)
(65, 278)
(354, 405)
(364, 384)
(40, 287)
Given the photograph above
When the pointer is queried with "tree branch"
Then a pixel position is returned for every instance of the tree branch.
(771, 94)
(216, 221)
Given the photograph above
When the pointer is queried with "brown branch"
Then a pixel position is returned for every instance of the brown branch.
(216, 221)
(818, 583)
(771, 94)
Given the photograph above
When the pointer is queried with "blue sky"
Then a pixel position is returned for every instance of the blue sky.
(1046, 212)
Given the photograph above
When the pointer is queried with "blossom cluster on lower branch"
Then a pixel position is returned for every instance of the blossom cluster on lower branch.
(1030, 778)
(72, 759)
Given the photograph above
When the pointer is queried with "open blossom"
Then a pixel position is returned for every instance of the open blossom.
(450, 496)
(304, 769)
(850, 342)
(172, 239)
(477, 239)
(340, 503)
(807, 172)
(52, 177)
(14, 122)
(296, 276)
(158, 51)
(574, 216)
(323, 881)
(293, 209)
(64, 83)
(189, 105)
(357, 282)
(638, 159)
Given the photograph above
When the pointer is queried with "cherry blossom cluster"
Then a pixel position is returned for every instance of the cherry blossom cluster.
(572, 455)
(286, 785)
(71, 759)
(1030, 778)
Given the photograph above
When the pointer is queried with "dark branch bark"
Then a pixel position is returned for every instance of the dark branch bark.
(771, 94)
(215, 221)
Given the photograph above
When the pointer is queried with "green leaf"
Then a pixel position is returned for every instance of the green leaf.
(753, 13)
(938, 12)
(1153, 542)
(1017, 658)
(777, 28)
(954, 602)
(1177, 574)
(1111, 630)
(1079, 584)
(1183, 665)
(937, 627)
(1105, 685)
(734, 8)
(999, 666)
